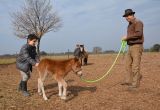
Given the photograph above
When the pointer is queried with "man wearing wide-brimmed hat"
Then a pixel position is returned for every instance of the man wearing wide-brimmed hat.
(135, 39)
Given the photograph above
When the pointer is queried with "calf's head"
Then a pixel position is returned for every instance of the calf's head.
(76, 67)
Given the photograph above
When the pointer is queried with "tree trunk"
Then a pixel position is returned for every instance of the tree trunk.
(38, 45)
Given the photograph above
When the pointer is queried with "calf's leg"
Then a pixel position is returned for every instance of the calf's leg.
(64, 89)
(60, 88)
(42, 88)
(39, 87)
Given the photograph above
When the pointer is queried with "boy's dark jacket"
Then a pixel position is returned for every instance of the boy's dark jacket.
(26, 58)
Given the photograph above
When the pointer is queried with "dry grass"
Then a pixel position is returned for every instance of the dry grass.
(9, 60)
(6, 61)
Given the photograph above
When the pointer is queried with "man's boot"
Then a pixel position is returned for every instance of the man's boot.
(137, 84)
(24, 89)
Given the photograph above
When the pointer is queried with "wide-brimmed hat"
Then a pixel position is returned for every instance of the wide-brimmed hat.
(128, 12)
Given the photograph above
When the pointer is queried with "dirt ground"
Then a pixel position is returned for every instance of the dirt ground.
(106, 94)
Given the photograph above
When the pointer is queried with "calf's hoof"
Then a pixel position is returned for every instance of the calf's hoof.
(39, 93)
(63, 97)
(45, 98)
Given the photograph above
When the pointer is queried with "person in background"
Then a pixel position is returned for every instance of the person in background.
(77, 51)
(25, 60)
(135, 39)
(84, 54)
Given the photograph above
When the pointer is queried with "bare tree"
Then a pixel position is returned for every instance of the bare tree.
(36, 16)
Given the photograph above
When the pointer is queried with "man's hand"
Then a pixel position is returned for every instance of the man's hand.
(124, 38)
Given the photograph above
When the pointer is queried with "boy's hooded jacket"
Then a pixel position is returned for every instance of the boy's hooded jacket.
(27, 58)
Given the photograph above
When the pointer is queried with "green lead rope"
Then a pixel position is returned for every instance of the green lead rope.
(122, 49)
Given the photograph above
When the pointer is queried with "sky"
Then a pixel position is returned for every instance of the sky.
(89, 22)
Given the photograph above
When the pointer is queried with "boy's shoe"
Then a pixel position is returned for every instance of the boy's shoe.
(25, 93)
(20, 86)
(24, 89)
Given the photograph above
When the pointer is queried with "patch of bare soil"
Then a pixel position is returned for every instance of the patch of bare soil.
(106, 94)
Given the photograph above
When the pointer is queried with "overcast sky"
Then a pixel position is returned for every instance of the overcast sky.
(89, 22)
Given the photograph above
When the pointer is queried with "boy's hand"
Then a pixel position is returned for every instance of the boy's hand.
(36, 64)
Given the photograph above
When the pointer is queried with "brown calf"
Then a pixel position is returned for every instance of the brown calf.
(59, 69)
